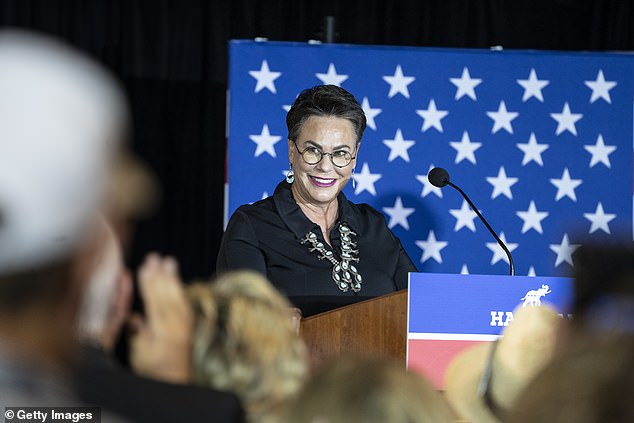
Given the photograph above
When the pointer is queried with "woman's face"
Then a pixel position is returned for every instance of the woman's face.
(319, 184)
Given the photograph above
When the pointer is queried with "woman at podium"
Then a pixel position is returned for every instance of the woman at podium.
(317, 247)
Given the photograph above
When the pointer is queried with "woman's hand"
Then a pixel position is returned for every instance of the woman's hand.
(160, 345)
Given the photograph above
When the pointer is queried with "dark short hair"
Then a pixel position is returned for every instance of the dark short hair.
(325, 100)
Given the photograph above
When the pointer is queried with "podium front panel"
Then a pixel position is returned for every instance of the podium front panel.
(448, 313)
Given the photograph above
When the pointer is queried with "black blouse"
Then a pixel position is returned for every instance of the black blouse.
(266, 237)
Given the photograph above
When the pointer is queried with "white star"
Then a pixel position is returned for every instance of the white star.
(265, 78)
(265, 142)
(465, 149)
(264, 195)
(599, 219)
(532, 150)
(533, 87)
(464, 270)
(370, 113)
(600, 88)
(398, 214)
(498, 252)
(531, 272)
(432, 116)
(331, 78)
(502, 119)
(502, 184)
(431, 248)
(465, 85)
(566, 120)
(566, 186)
(600, 152)
(532, 218)
(398, 83)
(398, 146)
(365, 180)
(427, 186)
(564, 251)
(464, 217)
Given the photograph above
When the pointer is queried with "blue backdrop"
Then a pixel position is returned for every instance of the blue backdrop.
(541, 141)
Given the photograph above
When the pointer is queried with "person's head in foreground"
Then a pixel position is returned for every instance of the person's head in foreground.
(325, 126)
(483, 382)
(604, 288)
(368, 390)
(589, 382)
(592, 378)
(244, 342)
(61, 117)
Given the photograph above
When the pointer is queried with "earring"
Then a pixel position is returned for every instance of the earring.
(354, 181)
(290, 175)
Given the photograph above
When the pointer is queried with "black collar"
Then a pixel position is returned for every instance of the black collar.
(296, 220)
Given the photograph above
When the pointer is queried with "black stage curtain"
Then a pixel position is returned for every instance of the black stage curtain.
(172, 59)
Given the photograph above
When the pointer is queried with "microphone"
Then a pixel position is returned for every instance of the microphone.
(439, 177)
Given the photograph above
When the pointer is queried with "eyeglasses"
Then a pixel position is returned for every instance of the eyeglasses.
(313, 155)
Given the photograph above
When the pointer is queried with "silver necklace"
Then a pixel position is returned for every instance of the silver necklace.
(344, 273)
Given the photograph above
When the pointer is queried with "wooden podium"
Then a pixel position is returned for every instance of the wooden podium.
(373, 327)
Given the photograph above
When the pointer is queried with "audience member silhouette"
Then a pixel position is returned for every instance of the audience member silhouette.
(369, 390)
(101, 380)
(484, 382)
(62, 117)
(235, 334)
(591, 379)
(245, 341)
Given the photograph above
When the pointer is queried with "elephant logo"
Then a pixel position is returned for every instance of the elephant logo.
(533, 297)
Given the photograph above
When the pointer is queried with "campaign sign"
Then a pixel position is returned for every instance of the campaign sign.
(448, 313)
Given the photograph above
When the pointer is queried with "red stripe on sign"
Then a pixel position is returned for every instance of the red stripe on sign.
(431, 357)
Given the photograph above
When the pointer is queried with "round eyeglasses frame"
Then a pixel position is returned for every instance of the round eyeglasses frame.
(347, 155)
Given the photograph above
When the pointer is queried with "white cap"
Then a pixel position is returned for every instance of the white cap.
(61, 118)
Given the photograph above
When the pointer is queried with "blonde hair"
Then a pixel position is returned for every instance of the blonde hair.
(369, 390)
(244, 342)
